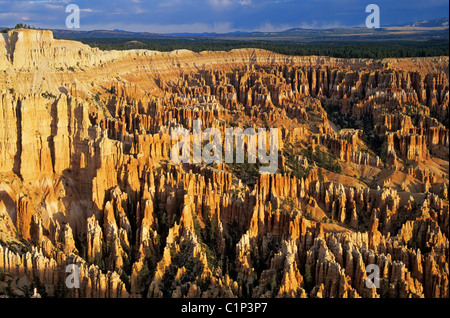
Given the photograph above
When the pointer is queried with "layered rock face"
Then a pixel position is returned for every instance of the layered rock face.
(87, 177)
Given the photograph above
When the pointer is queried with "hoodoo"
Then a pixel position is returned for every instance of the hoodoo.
(87, 178)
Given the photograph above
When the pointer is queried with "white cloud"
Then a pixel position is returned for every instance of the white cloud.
(220, 3)
(54, 6)
(245, 2)
(6, 15)
(224, 4)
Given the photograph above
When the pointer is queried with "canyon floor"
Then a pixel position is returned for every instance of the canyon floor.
(86, 175)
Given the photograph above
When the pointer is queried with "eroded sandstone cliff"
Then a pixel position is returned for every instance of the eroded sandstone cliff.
(86, 176)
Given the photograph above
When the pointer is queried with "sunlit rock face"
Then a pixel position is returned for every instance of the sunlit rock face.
(87, 178)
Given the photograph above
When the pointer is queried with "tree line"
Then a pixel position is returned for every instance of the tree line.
(18, 26)
(375, 50)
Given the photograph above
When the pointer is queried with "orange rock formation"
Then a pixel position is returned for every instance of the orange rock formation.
(86, 176)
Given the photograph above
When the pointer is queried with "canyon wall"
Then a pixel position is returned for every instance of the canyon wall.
(86, 175)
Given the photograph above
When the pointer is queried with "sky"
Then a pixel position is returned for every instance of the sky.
(221, 16)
